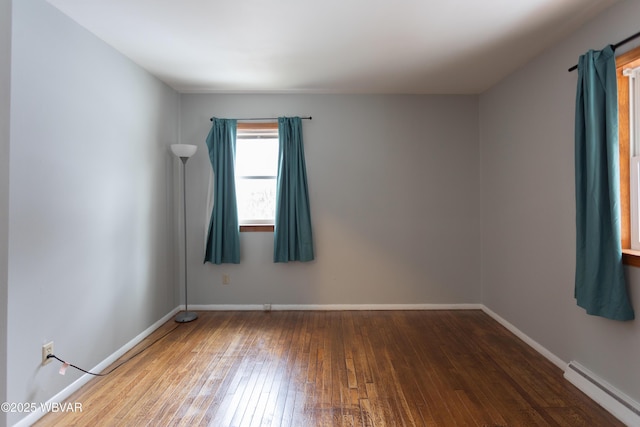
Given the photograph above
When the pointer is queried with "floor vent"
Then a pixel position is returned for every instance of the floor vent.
(620, 405)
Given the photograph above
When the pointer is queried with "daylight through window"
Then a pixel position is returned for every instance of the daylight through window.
(634, 152)
(627, 72)
(256, 171)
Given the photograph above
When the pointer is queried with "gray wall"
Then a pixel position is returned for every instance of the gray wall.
(393, 184)
(528, 208)
(5, 89)
(91, 258)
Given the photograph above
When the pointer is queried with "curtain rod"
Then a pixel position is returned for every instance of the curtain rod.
(615, 46)
(262, 118)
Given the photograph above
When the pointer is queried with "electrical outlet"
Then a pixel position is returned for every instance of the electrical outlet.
(266, 307)
(226, 279)
(47, 349)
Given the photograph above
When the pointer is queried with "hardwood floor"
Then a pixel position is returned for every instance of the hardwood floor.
(351, 368)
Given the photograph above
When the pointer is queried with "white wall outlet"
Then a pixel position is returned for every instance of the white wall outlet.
(47, 349)
(266, 307)
(226, 279)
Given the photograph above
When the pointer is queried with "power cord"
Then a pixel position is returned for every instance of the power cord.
(53, 356)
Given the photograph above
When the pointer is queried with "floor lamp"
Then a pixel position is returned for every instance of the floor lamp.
(184, 151)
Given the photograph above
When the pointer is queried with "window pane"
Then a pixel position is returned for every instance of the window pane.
(257, 157)
(256, 199)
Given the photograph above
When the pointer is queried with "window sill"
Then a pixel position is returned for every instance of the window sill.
(631, 257)
(256, 228)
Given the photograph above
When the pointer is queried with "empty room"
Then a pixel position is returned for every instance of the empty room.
(319, 213)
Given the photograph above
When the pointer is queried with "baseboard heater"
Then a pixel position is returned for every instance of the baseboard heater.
(613, 400)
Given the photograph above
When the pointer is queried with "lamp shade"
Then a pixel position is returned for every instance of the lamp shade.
(183, 150)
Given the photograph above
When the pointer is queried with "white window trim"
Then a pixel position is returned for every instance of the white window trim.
(257, 222)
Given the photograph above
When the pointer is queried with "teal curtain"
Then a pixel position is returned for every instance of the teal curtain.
(223, 237)
(600, 286)
(293, 240)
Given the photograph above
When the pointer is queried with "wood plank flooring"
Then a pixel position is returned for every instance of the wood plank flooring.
(341, 368)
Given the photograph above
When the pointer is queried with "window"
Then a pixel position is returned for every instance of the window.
(256, 171)
(628, 66)
(634, 153)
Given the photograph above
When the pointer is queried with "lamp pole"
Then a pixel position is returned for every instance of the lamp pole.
(184, 151)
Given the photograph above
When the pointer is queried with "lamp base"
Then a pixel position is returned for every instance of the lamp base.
(186, 316)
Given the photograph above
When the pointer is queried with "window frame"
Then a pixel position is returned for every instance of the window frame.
(627, 60)
(255, 126)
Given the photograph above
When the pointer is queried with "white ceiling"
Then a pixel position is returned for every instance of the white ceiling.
(331, 46)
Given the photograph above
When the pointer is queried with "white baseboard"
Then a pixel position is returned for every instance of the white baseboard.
(333, 307)
(75, 386)
(532, 343)
(610, 398)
